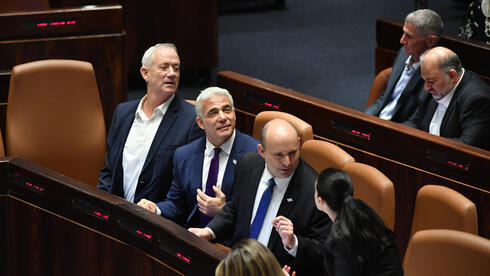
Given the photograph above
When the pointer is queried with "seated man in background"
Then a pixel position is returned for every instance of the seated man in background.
(421, 31)
(203, 170)
(273, 182)
(460, 104)
(145, 133)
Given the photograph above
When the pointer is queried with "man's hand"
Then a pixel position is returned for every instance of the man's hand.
(202, 233)
(210, 206)
(148, 205)
(286, 270)
(285, 229)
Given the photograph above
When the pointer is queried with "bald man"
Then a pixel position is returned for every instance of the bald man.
(460, 104)
(292, 196)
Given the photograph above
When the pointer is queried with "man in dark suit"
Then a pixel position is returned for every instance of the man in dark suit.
(277, 173)
(144, 134)
(460, 104)
(188, 198)
(421, 31)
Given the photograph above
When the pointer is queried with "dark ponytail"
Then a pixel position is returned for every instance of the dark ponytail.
(357, 226)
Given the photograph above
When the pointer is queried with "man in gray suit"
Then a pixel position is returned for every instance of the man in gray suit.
(421, 31)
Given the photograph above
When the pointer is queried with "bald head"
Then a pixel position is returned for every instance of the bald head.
(280, 147)
(441, 69)
(444, 58)
(279, 127)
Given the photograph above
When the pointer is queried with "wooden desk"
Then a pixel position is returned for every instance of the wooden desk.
(73, 33)
(409, 157)
(54, 225)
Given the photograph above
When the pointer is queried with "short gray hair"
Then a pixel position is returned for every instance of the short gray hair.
(147, 58)
(208, 93)
(427, 22)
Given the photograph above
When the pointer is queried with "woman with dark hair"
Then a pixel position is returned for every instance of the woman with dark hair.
(359, 242)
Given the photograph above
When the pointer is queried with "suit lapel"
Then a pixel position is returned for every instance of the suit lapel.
(409, 89)
(125, 128)
(397, 71)
(287, 203)
(236, 150)
(452, 104)
(431, 109)
(165, 126)
(197, 161)
(256, 174)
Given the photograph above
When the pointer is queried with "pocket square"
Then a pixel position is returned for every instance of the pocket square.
(289, 199)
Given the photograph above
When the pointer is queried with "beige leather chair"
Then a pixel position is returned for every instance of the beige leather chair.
(447, 252)
(322, 155)
(379, 85)
(55, 119)
(304, 129)
(375, 189)
(439, 207)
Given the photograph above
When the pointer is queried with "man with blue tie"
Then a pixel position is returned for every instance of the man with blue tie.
(145, 133)
(273, 182)
(203, 170)
(421, 31)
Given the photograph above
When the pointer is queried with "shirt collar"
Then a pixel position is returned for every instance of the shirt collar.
(281, 183)
(161, 109)
(411, 66)
(225, 147)
(446, 100)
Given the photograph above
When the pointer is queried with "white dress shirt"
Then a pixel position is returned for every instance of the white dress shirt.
(387, 112)
(435, 123)
(276, 199)
(138, 144)
(223, 160)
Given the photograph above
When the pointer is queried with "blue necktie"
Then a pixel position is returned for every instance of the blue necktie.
(263, 206)
(212, 179)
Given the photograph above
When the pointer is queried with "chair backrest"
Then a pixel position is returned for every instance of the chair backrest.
(322, 155)
(447, 252)
(55, 119)
(375, 189)
(379, 85)
(2, 147)
(439, 207)
(304, 129)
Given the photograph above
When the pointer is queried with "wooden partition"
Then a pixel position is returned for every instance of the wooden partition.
(409, 157)
(93, 34)
(54, 225)
(190, 24)
(474, 55)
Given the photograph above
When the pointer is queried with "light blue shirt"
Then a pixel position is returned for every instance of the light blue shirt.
(388, 110)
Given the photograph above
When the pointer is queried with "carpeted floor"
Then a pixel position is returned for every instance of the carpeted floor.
(324, 48)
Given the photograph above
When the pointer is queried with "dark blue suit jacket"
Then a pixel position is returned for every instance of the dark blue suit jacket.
(181, 205)
(407, 103)
(178, 127)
